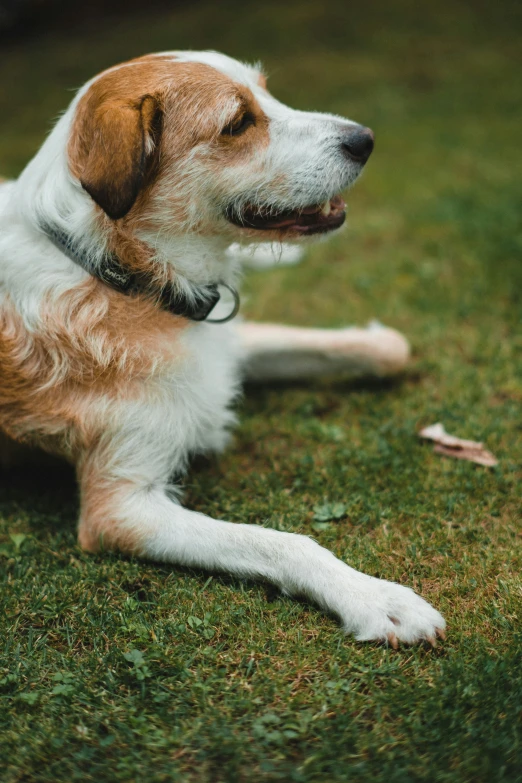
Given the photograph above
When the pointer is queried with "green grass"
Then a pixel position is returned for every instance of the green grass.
(117, 670)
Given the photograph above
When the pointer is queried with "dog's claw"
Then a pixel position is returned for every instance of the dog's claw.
(432, 641)
(393, 641)
(440, 633)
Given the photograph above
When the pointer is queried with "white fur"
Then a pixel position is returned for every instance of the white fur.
(267, 254)
(185, 406)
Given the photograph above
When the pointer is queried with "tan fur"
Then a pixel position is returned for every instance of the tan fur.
(129, 96)
(115, 138)
(92, 342)
(99, 526)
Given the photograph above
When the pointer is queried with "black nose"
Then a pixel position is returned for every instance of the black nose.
(358, 144)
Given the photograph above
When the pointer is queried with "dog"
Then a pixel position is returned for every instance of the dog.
(118, 344)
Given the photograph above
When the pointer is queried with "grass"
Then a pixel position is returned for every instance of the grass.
(117, 670)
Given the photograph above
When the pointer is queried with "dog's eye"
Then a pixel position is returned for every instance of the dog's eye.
(239, 125)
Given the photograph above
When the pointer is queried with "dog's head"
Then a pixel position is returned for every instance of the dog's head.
(183, 141)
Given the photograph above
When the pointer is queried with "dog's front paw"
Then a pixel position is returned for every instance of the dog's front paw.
(393, 613)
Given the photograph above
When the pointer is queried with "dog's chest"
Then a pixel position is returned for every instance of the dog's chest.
(198, 388)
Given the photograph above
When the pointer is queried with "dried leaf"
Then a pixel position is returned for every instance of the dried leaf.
(451, 446)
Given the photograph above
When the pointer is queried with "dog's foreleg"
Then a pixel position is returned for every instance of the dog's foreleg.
(144, 521)
(274, 352)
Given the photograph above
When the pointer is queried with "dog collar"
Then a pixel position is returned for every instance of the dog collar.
(112, 272)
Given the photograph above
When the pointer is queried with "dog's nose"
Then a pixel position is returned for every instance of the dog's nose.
(358, 144)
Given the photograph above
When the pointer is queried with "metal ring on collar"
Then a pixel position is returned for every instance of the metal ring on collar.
(235, 309)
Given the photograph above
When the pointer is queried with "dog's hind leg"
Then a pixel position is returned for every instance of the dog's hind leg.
(275, 352)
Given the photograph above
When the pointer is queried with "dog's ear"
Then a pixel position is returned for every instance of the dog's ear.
(114, 149)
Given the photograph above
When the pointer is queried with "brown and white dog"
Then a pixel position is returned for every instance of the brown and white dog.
(113, 243)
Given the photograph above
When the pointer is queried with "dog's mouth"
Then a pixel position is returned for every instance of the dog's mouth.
(315, 219)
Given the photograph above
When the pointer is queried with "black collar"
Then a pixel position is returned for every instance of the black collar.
(112, 272)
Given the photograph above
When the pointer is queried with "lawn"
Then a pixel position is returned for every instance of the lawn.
(117, 670)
